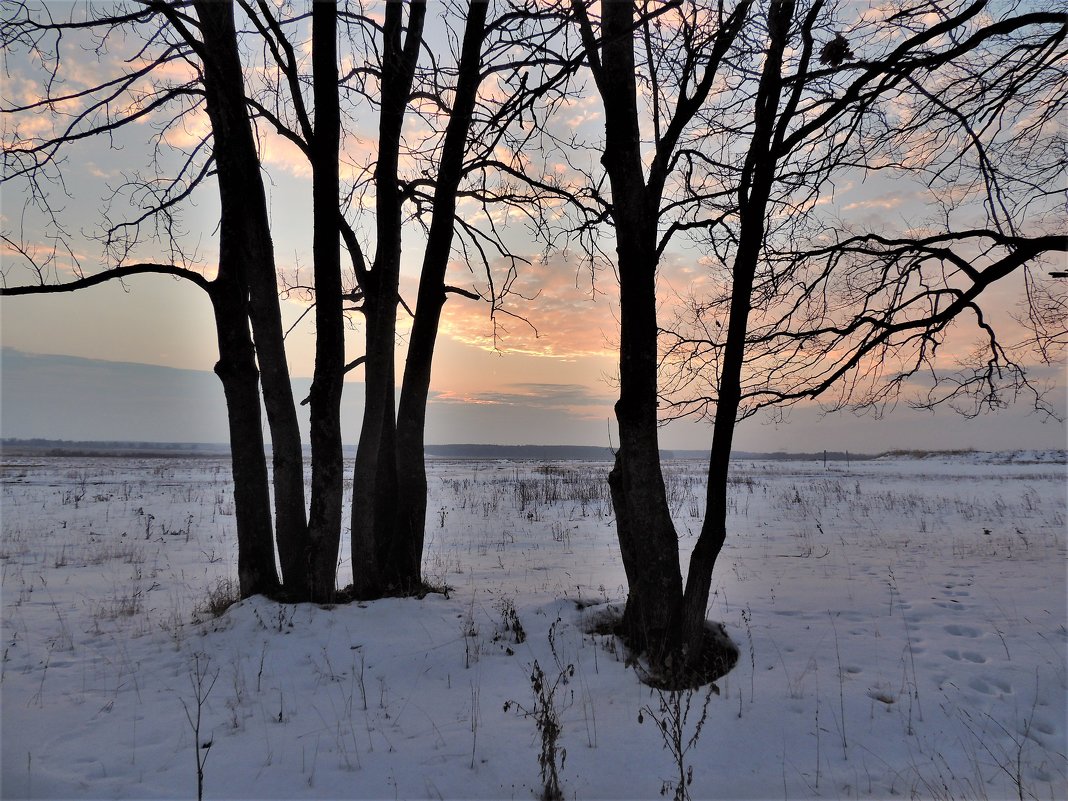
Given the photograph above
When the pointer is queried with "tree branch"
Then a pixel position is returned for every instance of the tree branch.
(113, 274)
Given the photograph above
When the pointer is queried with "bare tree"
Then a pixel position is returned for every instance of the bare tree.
(401, 76)
(648, 542)
(501, 51)
(207, 49)
(244, 290)
(404, 77)
(420, 179)
(730, 126)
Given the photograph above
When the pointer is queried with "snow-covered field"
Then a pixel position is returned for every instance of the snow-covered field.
(901, 625)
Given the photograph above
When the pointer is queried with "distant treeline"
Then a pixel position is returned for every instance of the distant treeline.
(61, 447)
(541, 453)
(592, 453)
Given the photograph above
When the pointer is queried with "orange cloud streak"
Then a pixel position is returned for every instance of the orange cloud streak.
(553, 312)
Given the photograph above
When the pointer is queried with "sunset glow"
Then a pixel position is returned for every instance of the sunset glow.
(547, 346)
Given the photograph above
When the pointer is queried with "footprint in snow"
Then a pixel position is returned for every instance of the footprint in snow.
(968, 656)
(989, 686)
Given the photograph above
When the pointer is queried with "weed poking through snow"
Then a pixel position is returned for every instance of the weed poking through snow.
(672, 717)
(203, 681)
(546, 711)
(511, 627)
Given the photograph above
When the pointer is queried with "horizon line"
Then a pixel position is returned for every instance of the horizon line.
(66, 447)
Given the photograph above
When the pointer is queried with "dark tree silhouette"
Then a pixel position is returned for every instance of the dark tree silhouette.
(729, 126)
(421, 181)
(171, 36)
(244, 291)
(403, 78)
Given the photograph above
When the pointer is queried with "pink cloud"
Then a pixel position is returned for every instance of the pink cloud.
(564, 317)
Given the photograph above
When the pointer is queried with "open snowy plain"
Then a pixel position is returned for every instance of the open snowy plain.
(900, 622)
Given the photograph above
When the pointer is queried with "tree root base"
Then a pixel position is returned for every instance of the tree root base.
(682, 669)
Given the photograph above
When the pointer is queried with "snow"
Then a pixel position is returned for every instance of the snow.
(901, 624)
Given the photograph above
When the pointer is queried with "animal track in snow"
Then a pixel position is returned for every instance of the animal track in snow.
(989, 686)
(969, 656)
(951, 604)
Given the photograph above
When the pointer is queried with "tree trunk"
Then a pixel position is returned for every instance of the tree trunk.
(410, 514)
(246, 238)
(754, 191)
(714, 528)
(236, 369)
(373, 501)
(324, 521)
(648, 543)
(370, 489)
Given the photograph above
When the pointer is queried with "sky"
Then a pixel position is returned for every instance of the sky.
(69, 365)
